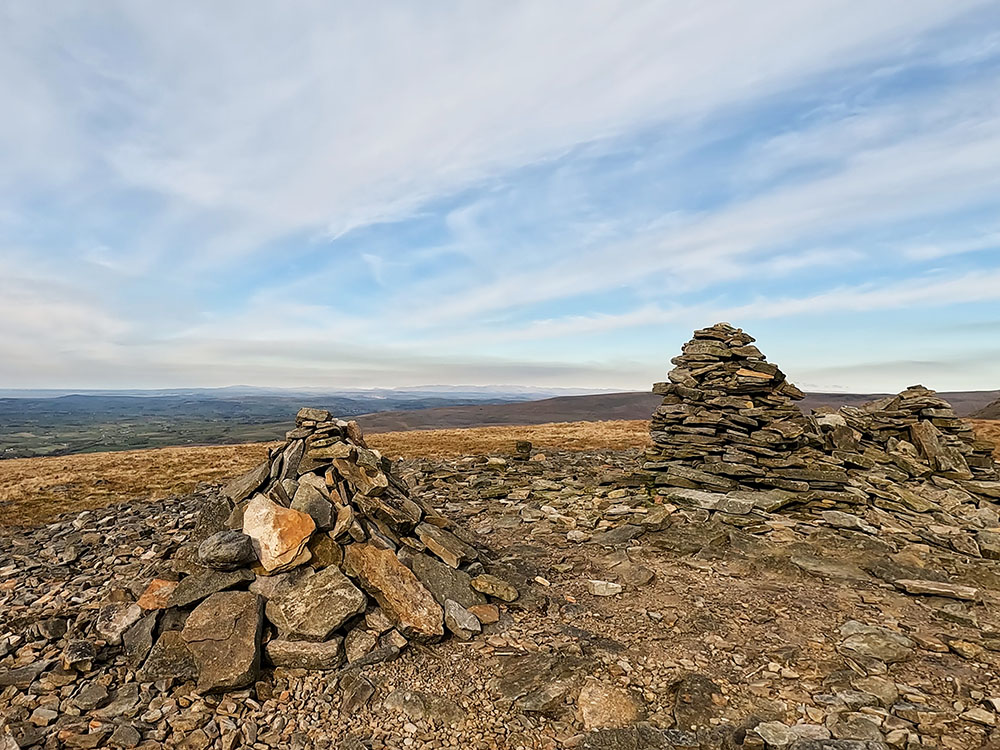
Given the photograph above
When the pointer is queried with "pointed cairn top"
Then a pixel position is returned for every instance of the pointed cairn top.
(722, 361)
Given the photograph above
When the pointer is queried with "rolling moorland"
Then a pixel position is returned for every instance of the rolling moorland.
(38, 425)
(631, 622)
(35, 490)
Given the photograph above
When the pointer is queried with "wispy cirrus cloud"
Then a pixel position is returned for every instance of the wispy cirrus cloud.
(186, 188)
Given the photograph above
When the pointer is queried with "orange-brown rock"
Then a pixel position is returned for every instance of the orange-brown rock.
(157, 594)
(397, 591)
(279, 534)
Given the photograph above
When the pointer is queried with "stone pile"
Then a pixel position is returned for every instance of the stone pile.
(315, 557)
(729, 437)
(910, 451)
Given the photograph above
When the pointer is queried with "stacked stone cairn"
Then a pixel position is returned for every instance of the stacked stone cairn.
(729, 437)
(316, 557)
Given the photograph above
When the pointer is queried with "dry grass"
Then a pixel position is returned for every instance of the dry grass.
(474, 441)
(34, 490)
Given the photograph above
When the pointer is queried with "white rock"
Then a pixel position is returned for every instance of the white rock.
(603, 588)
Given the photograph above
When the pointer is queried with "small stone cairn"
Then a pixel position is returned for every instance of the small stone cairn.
(314, 558)
(729, 437)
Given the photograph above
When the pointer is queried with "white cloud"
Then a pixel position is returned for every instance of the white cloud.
(195, 135)
(935, 291)
(924, 175)
(341, 115)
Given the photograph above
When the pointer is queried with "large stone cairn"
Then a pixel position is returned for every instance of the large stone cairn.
(913, 440)
(728, 421)
(728, 436)
(314, 558)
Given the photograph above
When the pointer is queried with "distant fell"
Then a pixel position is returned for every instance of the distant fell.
(604, 406)
(990, 411)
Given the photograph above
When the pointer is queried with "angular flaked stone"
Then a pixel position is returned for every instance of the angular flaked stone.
(397, 590)
(445, 582)
(305, 654)
(485, 613)
(355, 691)
(78, 655)
(378, 621)
(223, 635)
(90, 696)
(290, 459)
(937, 588)
(315, 606)
(539, 683)
(138, 640)
(324, 454)
(308, 414)
(157, 594)
(496, 587)
(279, 534)
(114, 619)
(985, 488)
(618, 535)
(243, 486)
(316, 482)
(364, 472)
(124, 701)
(227, 550)
(603, 588)
(22, 677)
(343, 522)
(324, 552)
(358, 643)
(445, 545)
(170, 658)
(460, 621)
(875, 642)
(196, 587)
(913, 500)
(309, 499)
(272, 586)
(989, 544)
(391, 509)
(943, 458)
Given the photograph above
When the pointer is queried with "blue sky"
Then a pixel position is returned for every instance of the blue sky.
(556, 193)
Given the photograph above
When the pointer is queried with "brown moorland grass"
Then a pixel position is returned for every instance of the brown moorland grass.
(35, 490)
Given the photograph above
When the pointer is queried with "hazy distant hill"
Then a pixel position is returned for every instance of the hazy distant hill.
(629, 405)
(965, 403)
(990, 411)
(37, 423)
(56, 424)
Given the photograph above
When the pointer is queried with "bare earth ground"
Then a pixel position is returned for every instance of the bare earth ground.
(765, 613)
(34, 490)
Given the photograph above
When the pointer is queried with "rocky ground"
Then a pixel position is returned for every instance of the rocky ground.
(645, 626)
